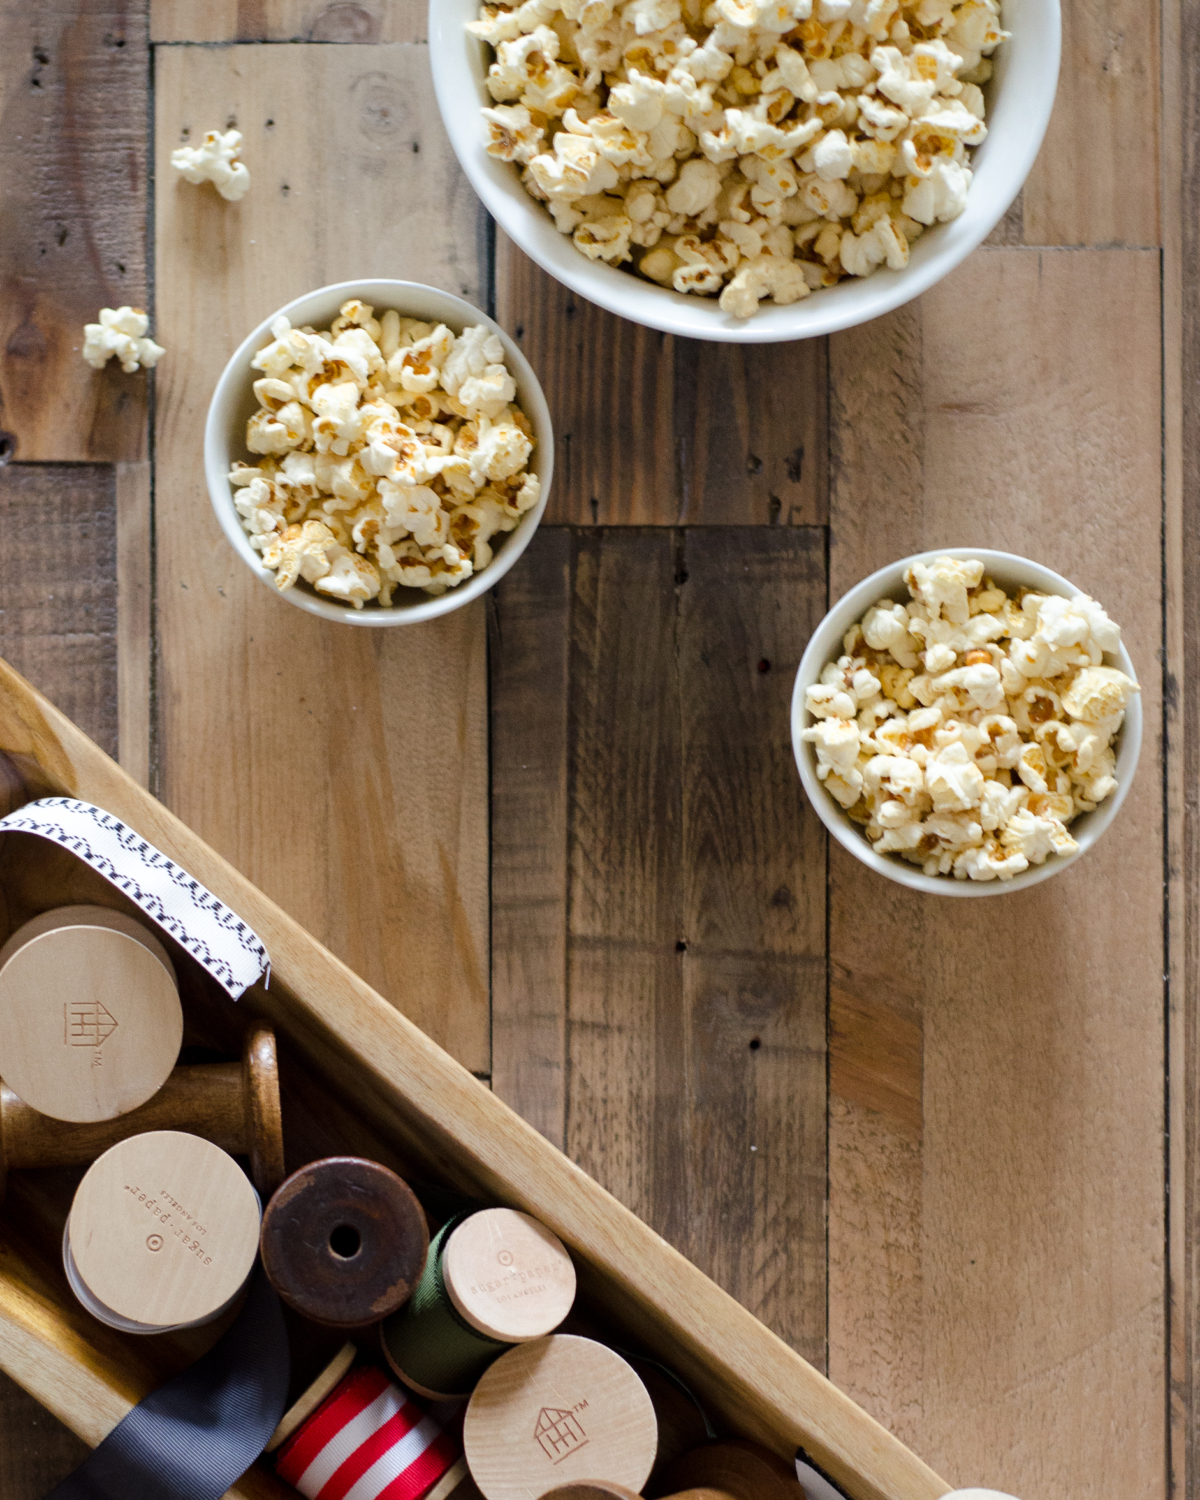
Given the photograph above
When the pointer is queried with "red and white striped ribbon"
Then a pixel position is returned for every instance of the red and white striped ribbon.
(368, 1441)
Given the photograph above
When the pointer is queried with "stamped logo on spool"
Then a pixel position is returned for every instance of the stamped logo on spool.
(88, 1023)
(164, 1228)
(560, 1433)
(558, 1409)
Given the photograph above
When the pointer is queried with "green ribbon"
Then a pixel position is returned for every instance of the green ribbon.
(429, 1340)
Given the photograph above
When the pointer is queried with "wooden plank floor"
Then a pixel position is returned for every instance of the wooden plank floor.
(923, 1140)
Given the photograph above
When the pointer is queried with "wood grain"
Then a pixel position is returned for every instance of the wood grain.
(530, 628)
(58, 587)
(104, 983)
(135, 605)
(1097, 180)
(996, 1265)
(657, 431)
(520, 1426)
(74, 83)
(356, 785)
(288, 21)
(696, 973)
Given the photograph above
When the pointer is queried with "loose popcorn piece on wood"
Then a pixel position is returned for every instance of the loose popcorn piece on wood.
(966, 730)
(121, 331)
(215, 160)
(746, 149)
(390, 453)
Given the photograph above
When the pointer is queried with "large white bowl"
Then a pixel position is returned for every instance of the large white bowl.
(1010, 572)
(233, 404)
(1020, 98)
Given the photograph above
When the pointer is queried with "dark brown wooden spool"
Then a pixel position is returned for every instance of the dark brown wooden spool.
(235, 1105)
(344, 1241)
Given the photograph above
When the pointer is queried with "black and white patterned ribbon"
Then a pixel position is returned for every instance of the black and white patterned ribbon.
(215, 936)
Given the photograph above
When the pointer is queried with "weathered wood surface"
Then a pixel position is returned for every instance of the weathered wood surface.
(58, 587)
(659, 890)
(288, 21)
(73, 94)
(997, 1213)
(354, 787)
(658, 431)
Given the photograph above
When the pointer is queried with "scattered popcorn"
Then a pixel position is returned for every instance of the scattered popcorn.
(388, 453)
(215, 160)
(121, 331)
(745, 149)
(964, 731)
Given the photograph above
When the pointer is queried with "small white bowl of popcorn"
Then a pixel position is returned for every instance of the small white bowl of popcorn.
(378, 452)
(966, 722)
(750, 171)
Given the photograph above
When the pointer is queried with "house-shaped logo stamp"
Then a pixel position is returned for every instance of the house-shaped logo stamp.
(87, 1023)
(559, 1433)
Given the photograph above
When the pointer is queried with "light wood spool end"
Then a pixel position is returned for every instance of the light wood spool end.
(90, 1020)
(164, 1229)
(508, 1275)
(557, 1405)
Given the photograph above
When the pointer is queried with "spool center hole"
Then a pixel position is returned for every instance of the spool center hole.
(345, 1241)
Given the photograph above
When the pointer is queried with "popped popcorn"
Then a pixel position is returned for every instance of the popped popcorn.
(121, 331)
(745, 149)
(965, 730)
(388, 453)
(215, 160)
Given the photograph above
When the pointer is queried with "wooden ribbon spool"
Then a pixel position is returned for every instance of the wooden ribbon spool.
(493, 1279)
(344, 1241)
(90, 1020)
(235, 1105)
(162, 1234)
(557, 1405)
(727, 1470)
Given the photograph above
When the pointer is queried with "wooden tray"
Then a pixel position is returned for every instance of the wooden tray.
(357, 1076)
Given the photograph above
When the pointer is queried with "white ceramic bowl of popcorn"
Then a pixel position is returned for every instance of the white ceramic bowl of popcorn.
(1010, 573)
(233, 403)
(1020, 97)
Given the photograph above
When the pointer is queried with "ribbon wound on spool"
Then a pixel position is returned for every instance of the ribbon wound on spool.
(195, 1436)
(215, 936)
(428, 1342)
(370, 1439)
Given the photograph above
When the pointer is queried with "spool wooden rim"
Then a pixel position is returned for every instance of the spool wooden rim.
(163, 1229)
(731, 1469)
(560, 1409)
(591, 1489)
(344, 1241)
(508, 1276)
(306, 1404)
(90, 1020)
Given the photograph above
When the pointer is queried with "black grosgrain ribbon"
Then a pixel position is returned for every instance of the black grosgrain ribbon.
(195, 1436)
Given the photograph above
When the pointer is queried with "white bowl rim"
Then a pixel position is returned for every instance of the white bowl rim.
(850, 607)
(532, 400)
(834, 308)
